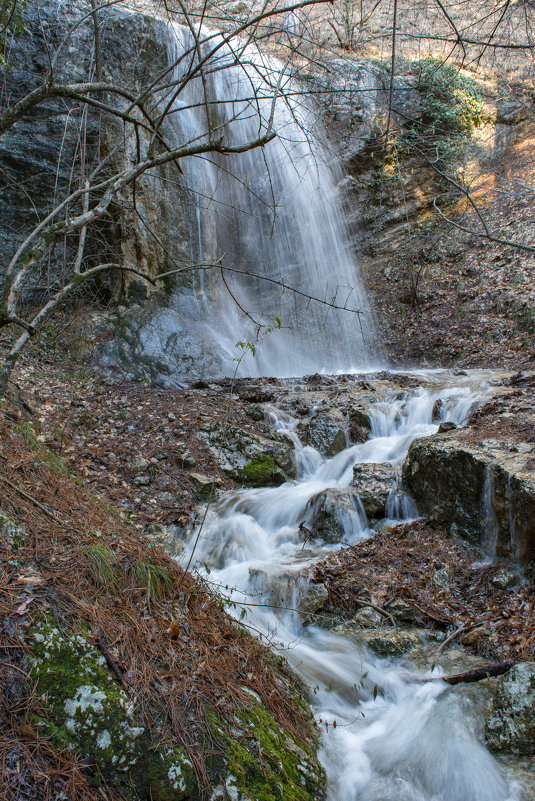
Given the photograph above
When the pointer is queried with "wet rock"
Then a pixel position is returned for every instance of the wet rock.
(204, 484)
(254, 411)
(335, 513)
(324, 434)
(360, 415)
(312, 600)
(505, 579)
(374, 483)
(368, 618)
(171, 538)
(300, 406)
(254, 393)
(446, 426)
(510, 725)
(401, 610)
(252, 460)
(459, 485)
(384, 641)
(389, 642)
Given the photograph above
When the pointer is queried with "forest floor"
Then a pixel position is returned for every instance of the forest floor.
(473, 303)
(69, 438)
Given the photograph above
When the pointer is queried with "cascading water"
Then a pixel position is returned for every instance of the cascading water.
(272, 212)
(396, 737)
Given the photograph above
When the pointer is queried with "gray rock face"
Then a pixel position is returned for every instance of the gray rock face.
(335, 513)
(249, 458)
(510, 725)
(324, 434)
(41, 152)
(374, 483)
(355, 97)
(469, 489)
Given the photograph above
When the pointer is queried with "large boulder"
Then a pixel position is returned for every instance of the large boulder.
(248, 458)
(374, 483)
(510, 725)
(484, 491)
(335, 513)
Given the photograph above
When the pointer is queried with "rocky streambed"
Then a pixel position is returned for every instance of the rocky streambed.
(358, 444)
(307, 491)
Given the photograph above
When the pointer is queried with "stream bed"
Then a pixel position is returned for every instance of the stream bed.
(387, 734)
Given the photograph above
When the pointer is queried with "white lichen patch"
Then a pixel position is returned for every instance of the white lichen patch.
(104, 739)
(174, 774)
(86, 698)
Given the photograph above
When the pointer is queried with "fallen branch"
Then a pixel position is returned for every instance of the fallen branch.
(110, 661)
(476, 675)
(362, 602)
(31, 499)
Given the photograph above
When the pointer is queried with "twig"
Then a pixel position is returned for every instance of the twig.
(112, 664)
(362, 602)
(29, 498)
(451, 638)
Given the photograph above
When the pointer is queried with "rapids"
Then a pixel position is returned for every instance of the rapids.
(386, 735)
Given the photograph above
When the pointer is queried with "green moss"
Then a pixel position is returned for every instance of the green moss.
(261, 470)
(170, 775)
(264, 763)
(87, 711)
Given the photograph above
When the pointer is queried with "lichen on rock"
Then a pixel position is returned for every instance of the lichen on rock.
(510, 725)
(88, 712)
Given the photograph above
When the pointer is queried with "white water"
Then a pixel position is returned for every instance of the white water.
(406, 740)
(271, 211)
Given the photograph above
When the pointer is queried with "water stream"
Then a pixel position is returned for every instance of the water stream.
(396, 737)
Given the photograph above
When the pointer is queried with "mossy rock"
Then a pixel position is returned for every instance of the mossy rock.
(262, 471)
(264, 763)
(87, 711)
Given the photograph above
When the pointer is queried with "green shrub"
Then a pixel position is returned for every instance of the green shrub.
(451, 108)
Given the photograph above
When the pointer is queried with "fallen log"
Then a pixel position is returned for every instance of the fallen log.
(478, 674)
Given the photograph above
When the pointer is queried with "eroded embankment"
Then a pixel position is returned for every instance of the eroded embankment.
(122, 676)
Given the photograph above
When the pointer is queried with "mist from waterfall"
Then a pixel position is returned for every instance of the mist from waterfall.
(273, 212)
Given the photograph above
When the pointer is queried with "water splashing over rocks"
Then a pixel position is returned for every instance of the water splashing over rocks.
(386, 734)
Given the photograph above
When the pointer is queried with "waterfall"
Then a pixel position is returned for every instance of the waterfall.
(273, 212)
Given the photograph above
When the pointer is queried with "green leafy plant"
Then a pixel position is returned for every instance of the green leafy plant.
(451, 108)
